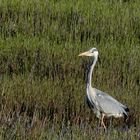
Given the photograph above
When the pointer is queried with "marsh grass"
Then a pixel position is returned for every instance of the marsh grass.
(42, 79)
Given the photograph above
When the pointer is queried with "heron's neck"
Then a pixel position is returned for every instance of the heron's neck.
(89, 80)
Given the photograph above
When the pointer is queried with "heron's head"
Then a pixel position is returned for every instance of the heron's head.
(92, 52)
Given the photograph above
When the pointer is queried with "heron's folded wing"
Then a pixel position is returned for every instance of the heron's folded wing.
(108, 104)
(101, 93)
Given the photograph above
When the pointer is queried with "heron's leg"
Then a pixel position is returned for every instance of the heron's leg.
(102, 121)
(110, 122)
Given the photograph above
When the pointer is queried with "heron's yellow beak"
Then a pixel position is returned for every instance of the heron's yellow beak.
(85, 54)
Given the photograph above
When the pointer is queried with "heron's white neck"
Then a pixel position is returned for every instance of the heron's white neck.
(89, 80)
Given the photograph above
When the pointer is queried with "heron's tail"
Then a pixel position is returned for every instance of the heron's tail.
(126, 109)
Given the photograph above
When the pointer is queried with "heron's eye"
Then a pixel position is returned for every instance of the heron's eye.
(93, 50)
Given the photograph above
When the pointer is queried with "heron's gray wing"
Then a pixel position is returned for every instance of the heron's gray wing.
(99, 92)
(109, 105)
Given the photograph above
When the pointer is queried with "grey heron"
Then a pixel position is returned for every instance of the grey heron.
(100, 102)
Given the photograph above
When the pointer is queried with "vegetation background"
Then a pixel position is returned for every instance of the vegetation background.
(42, 79)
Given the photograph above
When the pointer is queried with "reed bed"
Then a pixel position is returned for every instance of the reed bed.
(42, 79)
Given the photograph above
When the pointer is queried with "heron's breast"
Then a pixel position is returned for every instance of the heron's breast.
(91, 95)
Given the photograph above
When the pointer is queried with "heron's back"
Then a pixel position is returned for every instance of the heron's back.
(106, 104)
